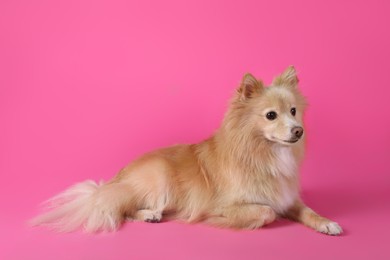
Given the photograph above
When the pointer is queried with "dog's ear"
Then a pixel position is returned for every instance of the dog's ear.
(250, 87)
(287, 78)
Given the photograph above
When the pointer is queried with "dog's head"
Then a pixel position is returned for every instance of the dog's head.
(275, 111)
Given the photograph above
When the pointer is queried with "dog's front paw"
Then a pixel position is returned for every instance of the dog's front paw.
(330, 228)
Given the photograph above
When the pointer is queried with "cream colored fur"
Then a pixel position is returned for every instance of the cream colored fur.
(244, 176)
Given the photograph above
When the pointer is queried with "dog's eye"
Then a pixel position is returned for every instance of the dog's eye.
(293, 111)
(271, 115)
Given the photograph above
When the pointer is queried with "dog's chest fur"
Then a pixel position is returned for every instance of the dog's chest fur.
(285, 163)
(275, 184)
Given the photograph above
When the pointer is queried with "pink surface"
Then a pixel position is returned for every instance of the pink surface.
(86, 86)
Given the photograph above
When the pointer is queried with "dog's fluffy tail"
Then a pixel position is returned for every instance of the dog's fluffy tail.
(95, 207)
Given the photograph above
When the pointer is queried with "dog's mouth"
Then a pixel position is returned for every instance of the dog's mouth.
(291, 141)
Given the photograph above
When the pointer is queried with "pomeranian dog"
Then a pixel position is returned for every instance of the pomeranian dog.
(243, 177)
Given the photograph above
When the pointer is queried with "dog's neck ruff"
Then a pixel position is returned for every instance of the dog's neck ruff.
(285, 163)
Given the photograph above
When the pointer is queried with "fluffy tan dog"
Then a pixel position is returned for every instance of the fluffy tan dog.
(244, 176)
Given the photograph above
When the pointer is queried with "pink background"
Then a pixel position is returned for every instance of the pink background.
(86, 86)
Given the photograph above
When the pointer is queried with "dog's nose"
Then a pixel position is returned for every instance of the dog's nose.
(297, 131)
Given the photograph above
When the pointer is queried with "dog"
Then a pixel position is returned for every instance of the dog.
(243, 177)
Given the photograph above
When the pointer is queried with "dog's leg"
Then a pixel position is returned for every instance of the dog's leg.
(152, 209)
(301, 213)
(246, 216)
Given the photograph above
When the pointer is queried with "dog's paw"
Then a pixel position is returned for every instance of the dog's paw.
(153, 219)
(149, 216)
(330, 228)
(268, 214)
